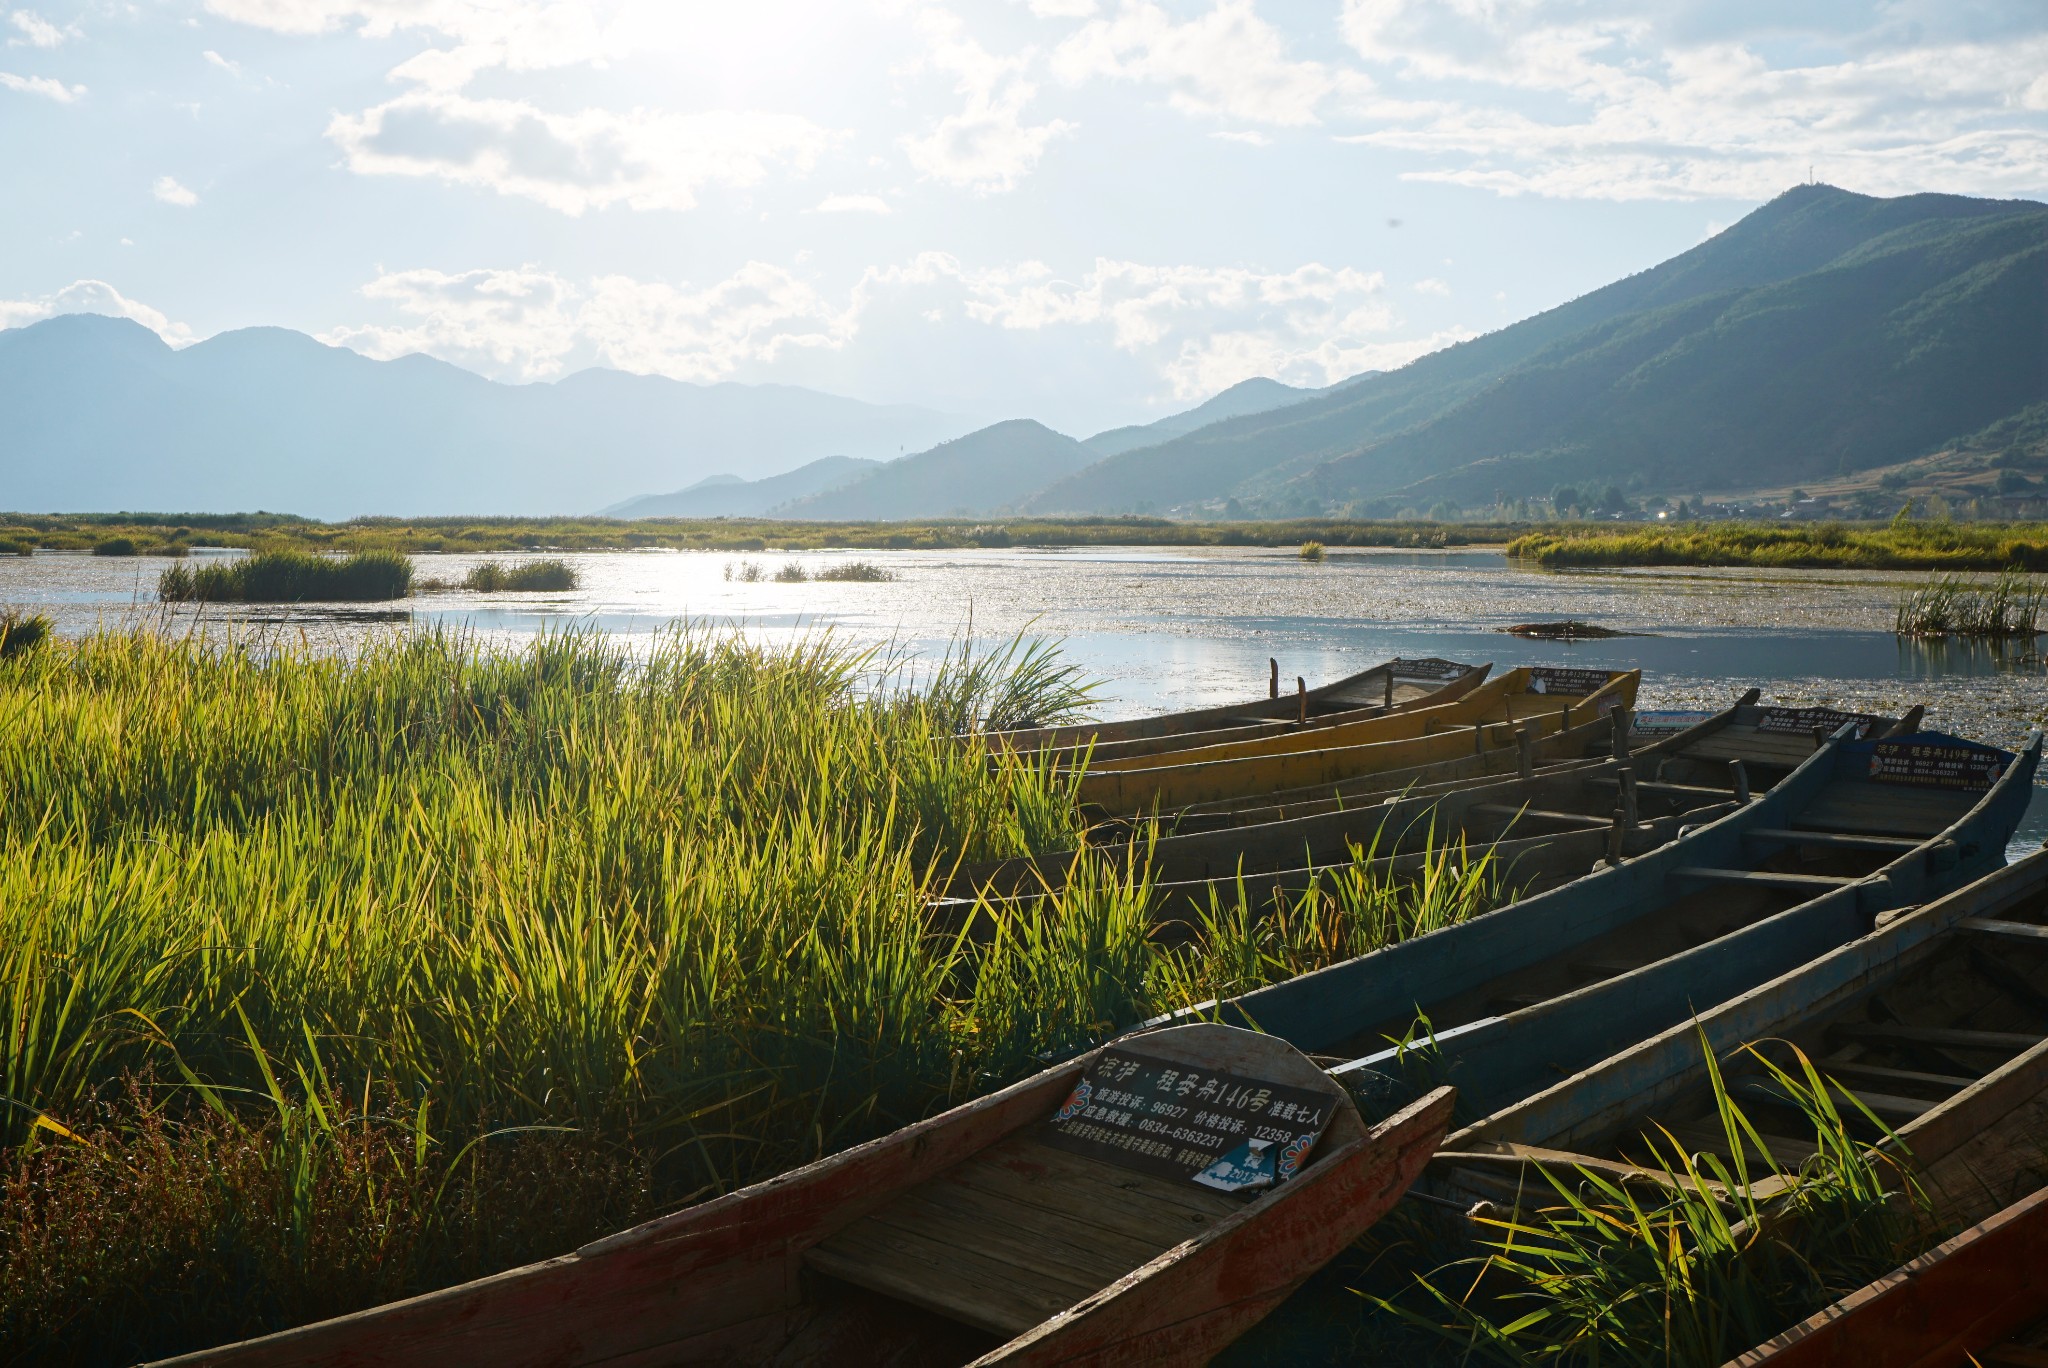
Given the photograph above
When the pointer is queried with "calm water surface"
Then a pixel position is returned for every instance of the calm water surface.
(1174, 628)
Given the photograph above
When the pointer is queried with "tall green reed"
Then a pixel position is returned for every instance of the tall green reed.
(1604, 1274)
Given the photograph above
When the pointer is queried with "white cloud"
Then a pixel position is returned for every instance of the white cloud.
(1228, 61)
(44, 86)
(1432, 286)
(92, 297)
(532, 324)
(169, 191)
(521, 35)
(1250, 137)
(37, 31)
(574, 162)
(1201, 328)
(1063, 9)
(1549, 97)
(852, 204)
(986, 146)
(214, 59)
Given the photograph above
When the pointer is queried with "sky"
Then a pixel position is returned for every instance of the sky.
(1091, 212)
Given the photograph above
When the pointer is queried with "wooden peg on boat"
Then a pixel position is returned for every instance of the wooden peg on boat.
(1627, 777)
(1272, 678)
(1300, 700)
(1525, 746)
(1738, 774)
(1621, 719)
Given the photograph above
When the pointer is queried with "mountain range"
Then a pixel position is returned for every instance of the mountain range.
(1823, 334)
(101, 416)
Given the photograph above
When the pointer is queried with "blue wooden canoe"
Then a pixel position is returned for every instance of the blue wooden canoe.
(1532, 993)
(1936, 1022)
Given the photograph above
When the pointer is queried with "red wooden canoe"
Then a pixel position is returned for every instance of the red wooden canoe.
(996, 1233)
(1952, 1305)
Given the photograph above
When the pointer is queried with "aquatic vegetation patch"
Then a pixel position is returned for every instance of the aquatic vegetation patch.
(291, 577)
(1902, 545)
(1312, 551)
(1948, 605)
(551, 575)
(855, 572)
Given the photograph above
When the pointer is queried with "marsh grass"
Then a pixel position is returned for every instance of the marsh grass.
(792, 572)
(114, 546)
(535, 576)
(1904, 545)
(1948, 605)
(347, 916)
(855, 572)
(291, 576)
(1312, 551)
(746, 572)
(22, 631)
(1602, 1274)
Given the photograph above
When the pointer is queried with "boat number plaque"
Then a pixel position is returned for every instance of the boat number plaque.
(1556, 679)
(1805, 720)
(1221, 1130)
(1931, 760)
(1668, 722)
(1430, 670)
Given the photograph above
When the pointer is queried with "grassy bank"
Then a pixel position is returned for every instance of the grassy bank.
(1899, 546)
(168, 533)
(326, 980)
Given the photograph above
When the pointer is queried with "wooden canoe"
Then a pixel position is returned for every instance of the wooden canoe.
(1770, 742)
(1980, 1298)
(1536, 991)
(1492, 716)
(1409, 694)
(1937, 1022)
(1395, 683)
(1478, 812)
(992, 1234)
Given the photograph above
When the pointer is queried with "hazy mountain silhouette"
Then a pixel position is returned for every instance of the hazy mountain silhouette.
(728, 496)
(1257, 395)
(101, 415)
(984, 472)
(1825, 331)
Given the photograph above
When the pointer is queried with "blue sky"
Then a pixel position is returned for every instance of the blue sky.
(1087, 211)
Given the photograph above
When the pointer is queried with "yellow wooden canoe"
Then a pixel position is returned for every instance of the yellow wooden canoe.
(1411, 696)
(1397, 684)
(1491, 717)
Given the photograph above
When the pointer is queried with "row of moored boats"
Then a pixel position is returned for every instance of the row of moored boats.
(1689, 884)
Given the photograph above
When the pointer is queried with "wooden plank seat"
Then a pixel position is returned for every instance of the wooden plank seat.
(1017, 1234)
(1831, 840)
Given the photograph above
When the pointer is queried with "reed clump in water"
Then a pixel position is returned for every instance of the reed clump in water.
(1591, 1272)
(855, 572)
(1948, 605)
(534, 576)
(292, 577)
(1312, 551)
(671, 902)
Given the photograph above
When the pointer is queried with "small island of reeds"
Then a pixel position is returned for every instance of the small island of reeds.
(291, 576)
(2006, 608)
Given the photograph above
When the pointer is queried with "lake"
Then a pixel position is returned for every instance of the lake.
(1176, 627)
